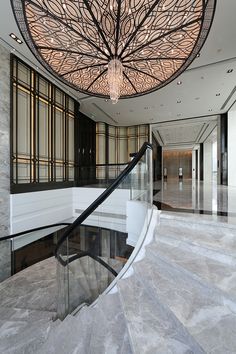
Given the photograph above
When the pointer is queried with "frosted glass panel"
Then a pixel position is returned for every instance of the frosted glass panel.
(23, 172)
(43, 87)
(59, 97)
(112, 150)
(59, 134)
(23, 74)
(123, 151)
(23, 126)
(43, 130)
(43, 172)
(71, 139)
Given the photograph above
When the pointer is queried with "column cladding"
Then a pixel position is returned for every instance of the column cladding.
(5, 256)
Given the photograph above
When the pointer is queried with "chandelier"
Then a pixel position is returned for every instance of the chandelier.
(116, 48)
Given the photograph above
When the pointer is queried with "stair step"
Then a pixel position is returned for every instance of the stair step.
(208, 316)
(219, 238)
(152, 327)
(23, 330)
(72, 336)
(109, 331)
(33, 288)
(213, 271)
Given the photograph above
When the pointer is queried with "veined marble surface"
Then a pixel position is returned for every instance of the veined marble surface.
(33, 288)
(201, 309)
(178, 299)
(198, 196)
(5, 258)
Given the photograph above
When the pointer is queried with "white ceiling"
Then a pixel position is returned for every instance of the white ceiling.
(206, 77)
(186, 133)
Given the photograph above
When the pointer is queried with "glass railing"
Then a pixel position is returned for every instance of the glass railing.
(100, 175)
(87, 264)
(25, 248)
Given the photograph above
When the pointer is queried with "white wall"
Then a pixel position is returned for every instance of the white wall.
(207, 162)
(110, 214)
(31, 210)
(193, 164)
(232, 146)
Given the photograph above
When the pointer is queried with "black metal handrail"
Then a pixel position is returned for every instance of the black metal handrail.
(84, 254)
(32, 230)
(106, 164)
(103, 196)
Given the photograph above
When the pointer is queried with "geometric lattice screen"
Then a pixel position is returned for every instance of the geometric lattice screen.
(155, 40)
(42, 129)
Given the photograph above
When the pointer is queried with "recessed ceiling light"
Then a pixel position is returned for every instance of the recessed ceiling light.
(179, 101)
(217, 94)
(179, 82)
(229, 71)
(198, 55)
(106, 100)
(17, 39)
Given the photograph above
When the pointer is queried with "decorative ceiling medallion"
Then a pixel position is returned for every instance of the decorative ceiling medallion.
(152, 42)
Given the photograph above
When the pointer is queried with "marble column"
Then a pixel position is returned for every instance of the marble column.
(5, 255)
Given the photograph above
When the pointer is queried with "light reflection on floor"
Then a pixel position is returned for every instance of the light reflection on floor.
(197, 197)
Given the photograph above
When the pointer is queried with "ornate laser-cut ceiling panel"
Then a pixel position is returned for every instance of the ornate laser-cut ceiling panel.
(154, 40)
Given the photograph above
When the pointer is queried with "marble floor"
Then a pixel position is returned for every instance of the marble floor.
(190, 196)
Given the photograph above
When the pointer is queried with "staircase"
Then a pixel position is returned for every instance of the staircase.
(180, 297)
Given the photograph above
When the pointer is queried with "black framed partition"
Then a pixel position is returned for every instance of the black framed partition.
(42, 132)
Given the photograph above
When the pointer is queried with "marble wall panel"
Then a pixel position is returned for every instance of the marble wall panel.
(5, 258)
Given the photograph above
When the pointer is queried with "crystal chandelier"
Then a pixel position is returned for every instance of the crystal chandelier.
(115, 79)
(115, 48)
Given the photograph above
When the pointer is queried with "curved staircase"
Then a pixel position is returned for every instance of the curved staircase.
(179, 297)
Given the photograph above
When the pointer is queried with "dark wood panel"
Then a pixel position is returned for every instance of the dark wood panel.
(157, 160)
(85, 155)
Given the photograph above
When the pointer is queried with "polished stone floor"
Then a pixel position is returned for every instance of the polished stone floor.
(191, 196)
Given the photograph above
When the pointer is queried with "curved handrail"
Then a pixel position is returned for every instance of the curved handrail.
(32, 230)
(96, 258)
(108, 164)
(103, 196)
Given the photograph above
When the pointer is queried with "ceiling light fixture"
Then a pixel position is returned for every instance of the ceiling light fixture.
(179, 82)
(116, 41)
(17, 39)
(217, 94)
(179, 101)
(229, 71)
